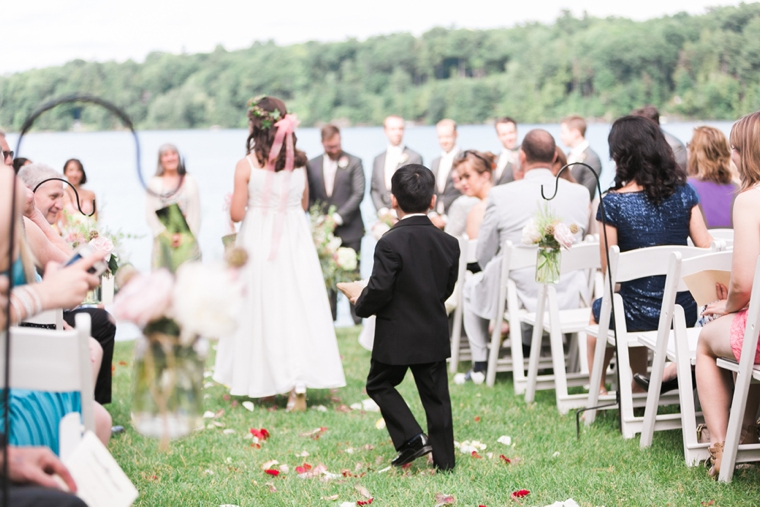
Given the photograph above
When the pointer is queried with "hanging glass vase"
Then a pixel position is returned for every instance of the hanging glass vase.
(167, 400)
(548, 262)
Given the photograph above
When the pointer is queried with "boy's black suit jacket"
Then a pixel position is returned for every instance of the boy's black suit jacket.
(416, 267)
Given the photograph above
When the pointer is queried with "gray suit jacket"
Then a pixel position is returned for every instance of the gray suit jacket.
(347, 194)
(679, 150)
(508, 174)
(381, 196)
(508, 209)
(583, 175)
(444, 200)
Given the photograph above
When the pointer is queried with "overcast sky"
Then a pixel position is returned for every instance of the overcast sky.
(39, 33)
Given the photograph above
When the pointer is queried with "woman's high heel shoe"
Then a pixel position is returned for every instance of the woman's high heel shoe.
(297, 399)
(716, 455)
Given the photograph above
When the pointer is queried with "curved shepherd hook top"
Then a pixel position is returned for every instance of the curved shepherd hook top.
(79, 206)
(611, 288)
(91, 99)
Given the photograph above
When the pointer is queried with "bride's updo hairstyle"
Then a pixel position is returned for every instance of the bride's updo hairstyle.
(642, 154)
(263, 114)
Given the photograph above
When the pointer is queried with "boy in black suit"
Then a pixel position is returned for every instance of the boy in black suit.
(414, 273)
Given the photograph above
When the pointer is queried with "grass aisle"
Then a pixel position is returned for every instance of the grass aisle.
(211, 468)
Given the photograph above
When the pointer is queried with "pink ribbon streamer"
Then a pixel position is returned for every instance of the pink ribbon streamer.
(285, 129)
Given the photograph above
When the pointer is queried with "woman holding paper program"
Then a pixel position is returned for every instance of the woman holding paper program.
(723, 337)
(172, 185)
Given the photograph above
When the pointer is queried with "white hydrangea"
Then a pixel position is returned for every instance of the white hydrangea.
(346, 258)
(530, 233)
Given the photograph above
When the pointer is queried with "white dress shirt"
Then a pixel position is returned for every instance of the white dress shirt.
(329, 170)
(393, 155)
(444, 168)
(576, 154)
(410, 215)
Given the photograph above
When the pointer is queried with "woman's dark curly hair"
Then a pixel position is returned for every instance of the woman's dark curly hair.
(642, 154)
(262, 135)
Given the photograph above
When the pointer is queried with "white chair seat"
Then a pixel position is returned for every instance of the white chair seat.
(649, 340)
(571, 321)
(732, 365)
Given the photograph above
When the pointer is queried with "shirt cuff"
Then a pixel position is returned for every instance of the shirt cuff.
(338, 219)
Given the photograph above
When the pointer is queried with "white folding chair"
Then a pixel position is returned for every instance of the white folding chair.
(514, 258)
(746, 372)
(680, 347)
(557, 323)
(625, 267)
(47, 319)
(54, 361)
(724, 234)
(467, 249)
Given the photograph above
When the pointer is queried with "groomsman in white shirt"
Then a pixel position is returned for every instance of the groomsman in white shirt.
(506, 131)
(386, 164)
(573, 135)
(336, 179)
(445, 191)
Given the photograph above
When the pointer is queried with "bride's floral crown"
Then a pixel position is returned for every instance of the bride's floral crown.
(267, 118)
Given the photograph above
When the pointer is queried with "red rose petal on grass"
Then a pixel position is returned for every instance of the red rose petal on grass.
(122, 363)
(364, 502)
(275, 473)
(226, 397)
(476, 455)
(505, 459)
(265, 433)
(477, 418)
(520, 493)
(408, 465)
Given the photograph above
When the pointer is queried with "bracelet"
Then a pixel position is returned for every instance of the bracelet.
(36, 297)
(29, 299)
(16, 311)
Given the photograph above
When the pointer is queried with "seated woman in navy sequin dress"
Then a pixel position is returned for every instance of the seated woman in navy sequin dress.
(650, 204)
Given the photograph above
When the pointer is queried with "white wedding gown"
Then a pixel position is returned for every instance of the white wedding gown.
(285, 333)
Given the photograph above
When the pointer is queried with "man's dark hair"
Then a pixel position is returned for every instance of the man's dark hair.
(413, 186)
(539, 146)
(648, 111)
(19, 162)
(328, 131)
(505, 119)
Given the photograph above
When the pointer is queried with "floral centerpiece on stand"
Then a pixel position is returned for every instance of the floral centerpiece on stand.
(338, 263)
(550, 234)
(176, 313)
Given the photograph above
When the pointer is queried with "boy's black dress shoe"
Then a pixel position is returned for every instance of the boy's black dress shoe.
(413, 449)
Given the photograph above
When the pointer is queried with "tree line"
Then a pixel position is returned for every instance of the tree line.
(692, 66)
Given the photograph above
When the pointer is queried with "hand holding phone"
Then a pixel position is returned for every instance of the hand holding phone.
(97, 267)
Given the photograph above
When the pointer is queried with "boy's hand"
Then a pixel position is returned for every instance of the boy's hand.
(352, 290)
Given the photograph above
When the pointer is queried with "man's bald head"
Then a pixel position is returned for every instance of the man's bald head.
(538, 146)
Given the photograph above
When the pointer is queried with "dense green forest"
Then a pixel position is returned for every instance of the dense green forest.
(705, 67)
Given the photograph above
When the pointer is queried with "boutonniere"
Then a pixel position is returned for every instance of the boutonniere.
(343, 162)
(403, 158)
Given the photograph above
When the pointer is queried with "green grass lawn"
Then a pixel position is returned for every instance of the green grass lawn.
(211, 468)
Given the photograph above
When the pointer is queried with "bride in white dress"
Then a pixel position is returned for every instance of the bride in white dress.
(285, 340)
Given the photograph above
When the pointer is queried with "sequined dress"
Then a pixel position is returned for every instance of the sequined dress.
(640, 223)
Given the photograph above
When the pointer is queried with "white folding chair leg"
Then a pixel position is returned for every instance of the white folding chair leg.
(653, 394)
(535, 345)
(83, 327)
(596, 378)
(456, 336)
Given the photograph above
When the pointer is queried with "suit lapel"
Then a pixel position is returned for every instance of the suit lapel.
(340, 173)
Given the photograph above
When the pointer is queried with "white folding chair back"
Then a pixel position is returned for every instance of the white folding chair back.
(48, 318)
(513, 259)
(582, 257)
(467, 249)
(53, 361)
(625, 267)
(746, 371)
(679, 346)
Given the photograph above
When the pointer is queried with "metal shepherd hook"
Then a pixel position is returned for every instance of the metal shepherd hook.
(612, 291)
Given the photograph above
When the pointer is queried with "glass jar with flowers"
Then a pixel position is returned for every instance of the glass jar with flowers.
(176, 314)
(550, 234)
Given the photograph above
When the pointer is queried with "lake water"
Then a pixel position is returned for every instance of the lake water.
(210, 155)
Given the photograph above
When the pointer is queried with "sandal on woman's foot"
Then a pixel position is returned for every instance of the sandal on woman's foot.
(716, 455)
(297, 399)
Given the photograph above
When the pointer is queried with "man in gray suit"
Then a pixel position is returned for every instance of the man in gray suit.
(445, 191)
(679, 149)
(573, 135)
(506, 131)
(385, 164)
(336, 178)
(508, 210)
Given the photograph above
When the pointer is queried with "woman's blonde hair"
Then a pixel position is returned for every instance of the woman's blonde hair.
(745, 139)
(480, 161)
(709, 156)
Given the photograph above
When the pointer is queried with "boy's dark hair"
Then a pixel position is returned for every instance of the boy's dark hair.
(413, 186)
